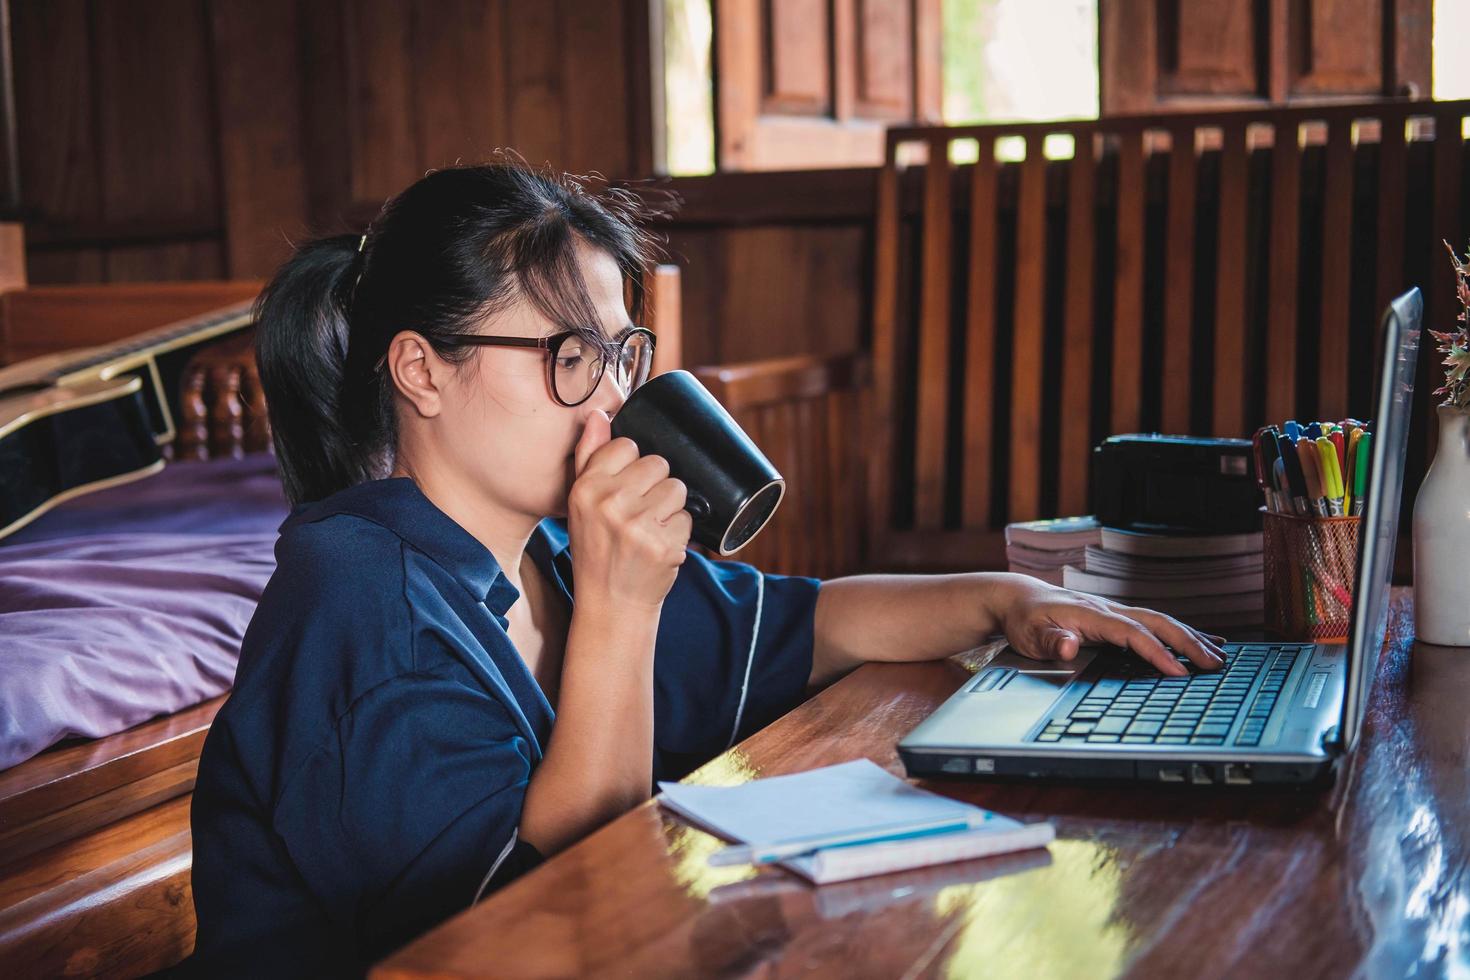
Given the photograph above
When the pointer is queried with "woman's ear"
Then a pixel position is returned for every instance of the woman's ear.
(417, 372)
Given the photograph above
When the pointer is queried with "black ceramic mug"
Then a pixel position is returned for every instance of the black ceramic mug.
(733, 488)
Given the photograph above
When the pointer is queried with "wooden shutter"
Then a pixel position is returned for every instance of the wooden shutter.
(1189, 54)
(812, 83)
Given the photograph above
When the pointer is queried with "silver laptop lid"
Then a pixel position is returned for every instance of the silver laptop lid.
(1392, 410)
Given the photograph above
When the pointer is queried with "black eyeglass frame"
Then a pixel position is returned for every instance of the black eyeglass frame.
(552, 344)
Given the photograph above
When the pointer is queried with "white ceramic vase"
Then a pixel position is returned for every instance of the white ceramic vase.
(1442, 537)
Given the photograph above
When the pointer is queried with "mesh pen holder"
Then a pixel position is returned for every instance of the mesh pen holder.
(1310, 568)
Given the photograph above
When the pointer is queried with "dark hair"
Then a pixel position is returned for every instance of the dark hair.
(456, 246)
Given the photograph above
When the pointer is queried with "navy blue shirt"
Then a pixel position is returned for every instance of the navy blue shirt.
(366, 776)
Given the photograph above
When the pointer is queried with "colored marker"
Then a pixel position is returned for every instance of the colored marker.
(1306, 451)
(1331, 476)
(1295, 479)
(1365, 449)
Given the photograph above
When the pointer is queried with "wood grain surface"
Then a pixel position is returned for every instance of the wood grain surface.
(1367, 877)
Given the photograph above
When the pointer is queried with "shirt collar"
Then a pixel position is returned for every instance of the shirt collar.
(398, 505)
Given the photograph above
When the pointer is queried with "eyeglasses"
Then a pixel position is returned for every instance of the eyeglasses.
(576, 365)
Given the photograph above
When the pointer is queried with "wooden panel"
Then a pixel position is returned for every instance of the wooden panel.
(1230, 285)
(148, 102)
(980, 332)
(1128, 295)
(1179, 281)
(262, 166)
(1075, 450)
(599, 117)
(932, 425)
(1191, 54)
(1281, 328)
(1337, 197)
(1027, 384)
(884, 59)
(381, 117)
(55, 113)
(1208, 49)
(459, 84)
(796, 55)
(1338, 47)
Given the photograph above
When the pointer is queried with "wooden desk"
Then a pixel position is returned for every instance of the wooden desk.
(1369, 876)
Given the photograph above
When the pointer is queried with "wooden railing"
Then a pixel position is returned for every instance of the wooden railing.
(1188, 273)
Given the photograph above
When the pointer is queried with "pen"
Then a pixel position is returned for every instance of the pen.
(1295, 478)
(1306, 451)
(1350, 471)
(784, 850)
(1331, 476)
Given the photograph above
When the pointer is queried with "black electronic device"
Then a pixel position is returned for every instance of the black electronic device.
(1175, 484)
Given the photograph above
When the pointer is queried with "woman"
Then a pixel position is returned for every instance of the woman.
(404, 733)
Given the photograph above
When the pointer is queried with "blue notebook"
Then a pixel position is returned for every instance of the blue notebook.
(851, 798)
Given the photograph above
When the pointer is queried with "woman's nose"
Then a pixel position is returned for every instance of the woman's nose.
(608, 396)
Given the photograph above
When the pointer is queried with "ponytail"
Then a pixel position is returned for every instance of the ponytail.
(456, 247)
(301, 343)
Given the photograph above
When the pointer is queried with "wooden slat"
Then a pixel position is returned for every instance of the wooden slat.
(1077, 350)
(1281, 327)
(665, 317)
(1128, 297)
(1337, 227)
(1392, 191)
(931, 422)
(114, 903)
(1179, 280)
(1230, 278)
(1027, 385)
(977, 476)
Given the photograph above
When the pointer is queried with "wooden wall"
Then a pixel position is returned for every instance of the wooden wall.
(187, 139)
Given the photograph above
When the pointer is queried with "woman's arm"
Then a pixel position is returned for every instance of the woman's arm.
(599, 760)
(627, 522)
(926, 617)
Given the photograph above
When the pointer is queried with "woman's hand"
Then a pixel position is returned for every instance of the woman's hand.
(626, 520)
(1046, 622)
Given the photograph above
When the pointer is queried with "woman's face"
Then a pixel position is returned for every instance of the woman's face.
(498, 428)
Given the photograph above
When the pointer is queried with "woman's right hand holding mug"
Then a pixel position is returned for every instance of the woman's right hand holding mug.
(626, 521)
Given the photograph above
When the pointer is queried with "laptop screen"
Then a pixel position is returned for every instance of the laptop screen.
(1392, 410)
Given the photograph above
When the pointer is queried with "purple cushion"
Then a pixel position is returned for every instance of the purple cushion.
(130, 603)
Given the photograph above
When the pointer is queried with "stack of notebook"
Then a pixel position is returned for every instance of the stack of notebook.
(1043, 548)
(1207, 580)
(846, 821)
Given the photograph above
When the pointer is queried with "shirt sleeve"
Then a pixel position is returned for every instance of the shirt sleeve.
(411, 811)
(734, 652)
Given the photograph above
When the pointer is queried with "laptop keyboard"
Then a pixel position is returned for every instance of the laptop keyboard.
(1135, 703)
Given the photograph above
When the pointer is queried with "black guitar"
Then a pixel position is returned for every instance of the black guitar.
(82, 420)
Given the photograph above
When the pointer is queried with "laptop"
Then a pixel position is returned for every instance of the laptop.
(1275, 713)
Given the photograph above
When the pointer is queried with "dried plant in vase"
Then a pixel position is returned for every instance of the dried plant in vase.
(1442, 509)
(1455, 344)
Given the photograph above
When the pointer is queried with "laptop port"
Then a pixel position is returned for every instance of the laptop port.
(1171, 774)
(1200, 775)
(1238, 773)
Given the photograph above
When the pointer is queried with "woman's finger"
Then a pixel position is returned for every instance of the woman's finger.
(1122, 631)
(1178, 636)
